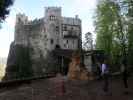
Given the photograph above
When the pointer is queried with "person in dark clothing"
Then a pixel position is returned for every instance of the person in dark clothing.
(99, 70)
(125, 78)
(105, 74)
(124, 74)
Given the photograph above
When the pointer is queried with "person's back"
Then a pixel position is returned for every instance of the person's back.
(104, 69)
(124, 74)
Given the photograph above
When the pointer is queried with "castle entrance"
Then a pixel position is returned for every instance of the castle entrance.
(64, 58)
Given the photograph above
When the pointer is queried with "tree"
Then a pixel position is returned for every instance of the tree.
(128, 17)
(4, 8)
(130, 31)
(111, 29)
(106, 24)
(88, 42)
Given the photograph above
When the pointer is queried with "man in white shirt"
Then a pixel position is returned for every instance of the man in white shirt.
(104, 69)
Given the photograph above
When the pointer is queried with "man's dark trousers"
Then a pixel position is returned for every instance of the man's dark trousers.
(106, 82)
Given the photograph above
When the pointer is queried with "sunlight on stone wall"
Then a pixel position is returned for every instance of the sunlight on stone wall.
(2, 70)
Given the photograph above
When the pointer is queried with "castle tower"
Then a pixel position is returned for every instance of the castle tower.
(20, 36)
(53, 27)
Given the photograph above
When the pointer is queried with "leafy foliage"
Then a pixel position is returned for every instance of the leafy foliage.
(130, 31)
(4, 8)
(114, 29)
(111, 30)
(88, 42)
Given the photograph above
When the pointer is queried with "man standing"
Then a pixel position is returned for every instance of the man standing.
(105, 74)
(124, 75)
(99, 70)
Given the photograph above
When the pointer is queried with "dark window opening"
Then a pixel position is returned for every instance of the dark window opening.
(57, 28)
(52, 41)
(64, 45)
(67, 41)
(64, 28)
(52, 17)
(71, 28)
(45, 36)
(19, 19)
(57, 46)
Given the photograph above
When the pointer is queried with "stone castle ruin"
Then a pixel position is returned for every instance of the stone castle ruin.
(48, 41)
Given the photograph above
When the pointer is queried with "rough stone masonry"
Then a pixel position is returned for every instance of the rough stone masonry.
(41, 37)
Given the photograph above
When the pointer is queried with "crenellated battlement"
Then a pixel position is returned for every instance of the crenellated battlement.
(52, 8)
(21, 19)
(52, 12)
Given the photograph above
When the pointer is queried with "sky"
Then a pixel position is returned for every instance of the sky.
(85, 9)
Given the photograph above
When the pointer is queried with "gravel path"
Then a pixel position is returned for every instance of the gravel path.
(59, 89)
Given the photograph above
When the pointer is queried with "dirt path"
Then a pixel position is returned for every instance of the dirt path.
(52, 89)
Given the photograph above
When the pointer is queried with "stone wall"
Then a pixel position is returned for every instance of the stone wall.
(43, 35)
(18, 63)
